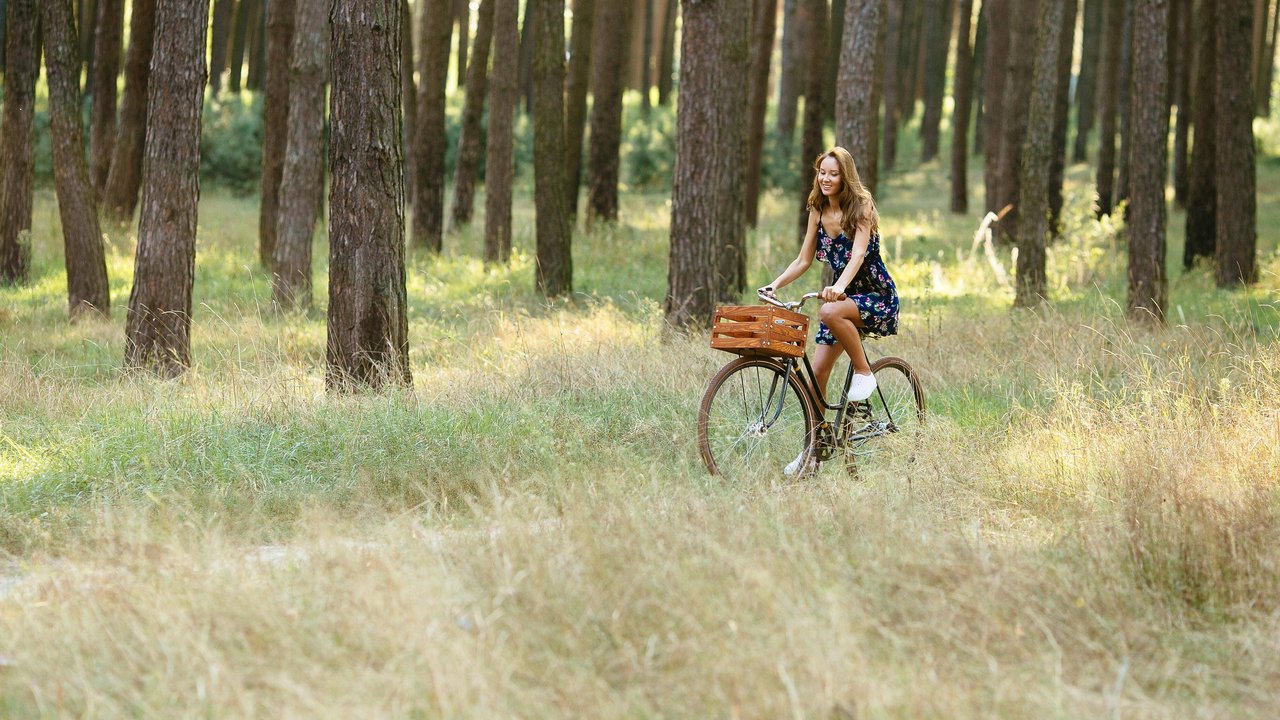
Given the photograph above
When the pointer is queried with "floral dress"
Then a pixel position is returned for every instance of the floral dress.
(871, 288)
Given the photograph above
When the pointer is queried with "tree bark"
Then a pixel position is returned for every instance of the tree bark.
(106, 69)
(791, 74)
(646, 57)
(858, 88)
(764, 16)
(1087, 88)
(1109, 68)
(811, 142)
(831, 65)
(125, 177)
(526, 63)
(667, 53)
(1145, 221)
(1017, 93)
(158, 328)
(892, 109)
(368, 330)
(910, 53)
(1125, 81)
(223, 12)
(245, 11)
(275, 123)
(979, 78)
(1202, 195)
(462, 16)
(960, 115)
(993, 97)
(554, 258)
(707, 199)
(301, 190)
(409, 97)
(1236, 171)
(576, 95)
(1037, 150)
(429, 160)
(936, 38)
(1061, 108)
(255, 47)
(1266, 73)
(466, 167)
(606, 110)
(87, 291)
(499, 159)
(1182, 98)
(22, 58)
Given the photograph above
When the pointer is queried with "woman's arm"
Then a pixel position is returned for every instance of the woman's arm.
(861, 239)
(802, 262)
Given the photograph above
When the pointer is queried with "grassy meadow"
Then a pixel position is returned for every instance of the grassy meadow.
(1091, 528)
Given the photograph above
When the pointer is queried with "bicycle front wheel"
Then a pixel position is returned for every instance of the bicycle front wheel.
(891, 418)
(754, 419)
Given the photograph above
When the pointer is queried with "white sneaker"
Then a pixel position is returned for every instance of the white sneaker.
(802, 465)
(862, 387)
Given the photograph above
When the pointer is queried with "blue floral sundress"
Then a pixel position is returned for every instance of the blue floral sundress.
(871, 288)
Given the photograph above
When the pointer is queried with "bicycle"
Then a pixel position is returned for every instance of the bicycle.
(760, 409)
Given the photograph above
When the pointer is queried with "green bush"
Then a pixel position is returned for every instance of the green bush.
(231, 142)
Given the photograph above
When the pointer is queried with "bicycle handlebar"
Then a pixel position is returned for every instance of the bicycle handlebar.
(796, 305)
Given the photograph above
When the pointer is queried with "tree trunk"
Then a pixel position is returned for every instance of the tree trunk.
(1145, 221)
(246, 10)
(1126, 80)
(811, 141)
(960, 115)
(1037, 150)
(125, 177)
(1202, 195)
(707, 192)
(106, 70)
(667, 53)
(576, 96)
(791, 75)
(275, 123)
(368, 330)
(86, 15)
(499, 168)
(1236, 171)
(606, 110)
(1182, 97)
(1013, 127)
(158, 328)
(892, 48)
(858, 87)
(301, 177)
(646, 57)
(1109, 68)
(1266, 74)
(993, 97)
(22, 57)
(1061, 108)
(429, 160)
(526, 63)
(87, 290)
(554, 258)
(223, 12)
(831, 65)
(936, 38)
(462, 16)
(979, 77)
(466, 167)
(255, 47)
(408, 95)
(1087, 87)
(764, 15)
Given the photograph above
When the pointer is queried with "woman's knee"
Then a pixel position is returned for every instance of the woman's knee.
(837, 311)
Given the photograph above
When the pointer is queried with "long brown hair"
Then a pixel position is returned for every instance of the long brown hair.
(854, 200)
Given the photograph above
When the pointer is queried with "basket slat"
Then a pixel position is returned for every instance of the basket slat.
(759, 330)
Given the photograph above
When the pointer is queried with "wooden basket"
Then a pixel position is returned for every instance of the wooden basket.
(759, 330)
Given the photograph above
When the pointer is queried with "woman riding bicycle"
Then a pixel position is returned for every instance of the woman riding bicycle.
(843, 231)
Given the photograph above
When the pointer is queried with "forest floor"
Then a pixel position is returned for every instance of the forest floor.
(1090, 528)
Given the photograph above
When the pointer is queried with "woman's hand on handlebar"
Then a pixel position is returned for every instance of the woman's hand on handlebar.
(831, 293)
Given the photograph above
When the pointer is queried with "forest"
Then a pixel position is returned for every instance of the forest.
(352, 353)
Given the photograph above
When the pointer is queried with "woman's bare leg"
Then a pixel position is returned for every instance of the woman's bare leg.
(824, 360)
(843, 320)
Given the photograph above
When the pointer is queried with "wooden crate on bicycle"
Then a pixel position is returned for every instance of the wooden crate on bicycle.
(759, 330)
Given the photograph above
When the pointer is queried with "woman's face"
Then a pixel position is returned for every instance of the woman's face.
(829, 180)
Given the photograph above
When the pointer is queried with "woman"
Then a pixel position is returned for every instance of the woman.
(843, 231)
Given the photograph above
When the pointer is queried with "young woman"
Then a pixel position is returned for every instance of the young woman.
(843, 231)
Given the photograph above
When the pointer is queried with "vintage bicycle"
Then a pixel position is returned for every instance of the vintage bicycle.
(762, 408)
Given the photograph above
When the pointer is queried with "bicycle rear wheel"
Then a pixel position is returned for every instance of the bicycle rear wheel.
(891, 419)
(755, 417)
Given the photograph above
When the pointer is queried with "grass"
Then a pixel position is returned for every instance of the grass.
(1090, 527)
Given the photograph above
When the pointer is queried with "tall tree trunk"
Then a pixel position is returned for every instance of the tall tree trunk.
(707, 200)
(791, 75)
(858, 87)
(831, 65)
(368, 329)
(467, 165)
(936, 39)
(125, 178)
(158, 328)
(909, 52)
(301, 178)
(1145, 221)
(526, 63)
(1013, 127)
(646, 57)
(811, 142)
(223, 12)
(979, 78)
(1126, 79)
(275, 123)
(1236, 171)
(892, 106)
(1182, 97)
(1266, 74)
(22, 58)
(499, 166)
(86, 14)
(764, 15)
(1061, 108)
(87, 290)
(462, 16)
(433, 65)
(1037, 150)
(409, 97)
(993, 97)
(1202, 195)
(255, 47)
(1109, 69)
(576, 85)
(554, 258)
(667, 53)
(246, 10)
(106, 70)
(606, 110)
(960, 115)
(1087, 87)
